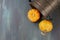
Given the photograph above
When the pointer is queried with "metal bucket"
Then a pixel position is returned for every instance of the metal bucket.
(45, 6)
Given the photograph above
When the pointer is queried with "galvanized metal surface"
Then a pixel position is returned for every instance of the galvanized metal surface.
(14, 24)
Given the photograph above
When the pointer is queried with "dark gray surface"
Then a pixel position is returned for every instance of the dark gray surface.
(14, 24)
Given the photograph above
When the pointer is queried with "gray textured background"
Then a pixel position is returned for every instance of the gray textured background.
(14, 24)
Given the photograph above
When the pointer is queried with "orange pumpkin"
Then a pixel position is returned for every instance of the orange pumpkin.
(45, 26)
(33, 15)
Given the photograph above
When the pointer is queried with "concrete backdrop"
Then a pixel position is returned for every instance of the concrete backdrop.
(14, 24)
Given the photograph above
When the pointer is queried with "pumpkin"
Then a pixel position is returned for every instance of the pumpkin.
(33, 15)
(45, 26)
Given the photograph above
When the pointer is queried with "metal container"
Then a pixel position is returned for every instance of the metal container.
(45, 6)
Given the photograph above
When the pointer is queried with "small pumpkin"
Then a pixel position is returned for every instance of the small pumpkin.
(33, 15)
(45, 26)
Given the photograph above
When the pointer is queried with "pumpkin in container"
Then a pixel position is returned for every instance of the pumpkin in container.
(33, 15)
(45, 26)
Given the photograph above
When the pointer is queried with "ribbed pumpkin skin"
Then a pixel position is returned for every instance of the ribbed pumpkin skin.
(33, 15)
(45, 26)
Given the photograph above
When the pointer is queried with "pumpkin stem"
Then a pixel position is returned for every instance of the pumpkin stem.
(44, 33)
(49, 18)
